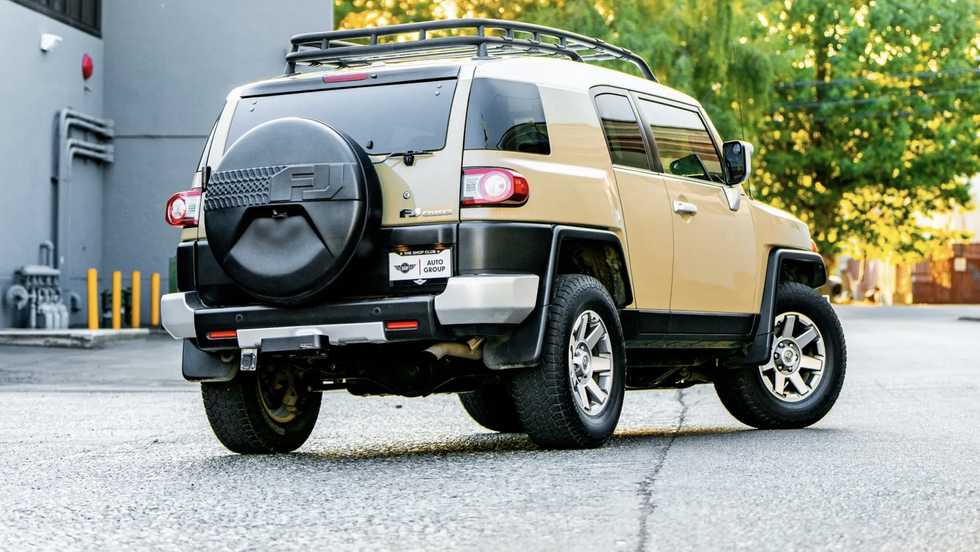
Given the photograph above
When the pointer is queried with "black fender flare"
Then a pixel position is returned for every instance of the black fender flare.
(524, 347)
(809, 267)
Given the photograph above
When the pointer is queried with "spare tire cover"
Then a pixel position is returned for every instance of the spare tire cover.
(289, 207)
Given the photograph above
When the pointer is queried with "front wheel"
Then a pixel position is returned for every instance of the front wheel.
(574, 398)
(805, 372)
(270, 410)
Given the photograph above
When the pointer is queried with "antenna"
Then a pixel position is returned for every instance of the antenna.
(741, 119)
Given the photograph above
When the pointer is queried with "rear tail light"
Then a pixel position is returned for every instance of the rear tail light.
(402, 325)
(183, 209)
(350, 77)
(498, 187)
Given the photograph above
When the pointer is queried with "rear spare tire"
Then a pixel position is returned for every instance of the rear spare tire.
(291, 206)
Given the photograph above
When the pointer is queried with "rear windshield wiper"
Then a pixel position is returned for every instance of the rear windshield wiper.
(407, 156)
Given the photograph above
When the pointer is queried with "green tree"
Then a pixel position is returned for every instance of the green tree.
(865, 113)
(874, 122)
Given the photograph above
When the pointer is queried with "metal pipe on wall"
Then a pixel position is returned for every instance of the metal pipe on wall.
(67, 149)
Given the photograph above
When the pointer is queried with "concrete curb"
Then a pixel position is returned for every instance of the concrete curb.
(72, 339)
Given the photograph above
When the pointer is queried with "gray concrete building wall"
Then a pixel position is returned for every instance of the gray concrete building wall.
(34, 86)
(162, 71)
(170, 66)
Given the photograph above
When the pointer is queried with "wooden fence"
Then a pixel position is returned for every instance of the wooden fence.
(955, 279)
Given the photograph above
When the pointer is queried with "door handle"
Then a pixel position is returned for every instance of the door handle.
(684, 208)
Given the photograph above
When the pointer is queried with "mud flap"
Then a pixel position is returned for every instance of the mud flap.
(200, 366)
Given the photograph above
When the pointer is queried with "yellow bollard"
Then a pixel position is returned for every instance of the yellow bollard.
(93, 299)
(135, 313)
(116, 300)
(155, 299)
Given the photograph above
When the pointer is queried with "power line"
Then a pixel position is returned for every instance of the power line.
(926, 95)
(865, 79)
(881, 114)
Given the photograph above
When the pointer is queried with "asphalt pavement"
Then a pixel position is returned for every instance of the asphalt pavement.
(110, 449)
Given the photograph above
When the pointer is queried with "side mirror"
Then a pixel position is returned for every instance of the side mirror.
(738, 158)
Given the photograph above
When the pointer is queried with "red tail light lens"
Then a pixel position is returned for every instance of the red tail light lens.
(345, 78)
(402, 325)
(498, 187)
(183, 209)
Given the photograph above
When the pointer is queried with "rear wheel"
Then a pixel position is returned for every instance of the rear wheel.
(492, 407)
(270, 410)
(805, 372)
(574, 398)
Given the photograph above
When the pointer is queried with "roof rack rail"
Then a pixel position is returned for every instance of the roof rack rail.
(494, 38)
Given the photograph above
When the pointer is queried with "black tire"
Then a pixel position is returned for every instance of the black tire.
(745, 392)
(492, 407)
(543, 395)
(243, 424)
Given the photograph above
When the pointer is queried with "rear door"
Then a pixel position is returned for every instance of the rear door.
(715, 268)
(644, 202)
(388, 112)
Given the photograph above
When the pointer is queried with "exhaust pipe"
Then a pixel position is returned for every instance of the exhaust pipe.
(471, 350)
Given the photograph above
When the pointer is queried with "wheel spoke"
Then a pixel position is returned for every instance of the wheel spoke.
(595, 336)
(601, 364)
(583, 326)
(811, 363)
(779, 383)
(788, 326)
(797, 380)
(806, 337)
(582, 396)
(599, 394)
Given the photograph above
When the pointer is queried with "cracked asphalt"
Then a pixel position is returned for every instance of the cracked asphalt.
(110, 449)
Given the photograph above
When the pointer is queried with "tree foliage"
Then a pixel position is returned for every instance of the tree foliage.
(865, 113)
(874, 120)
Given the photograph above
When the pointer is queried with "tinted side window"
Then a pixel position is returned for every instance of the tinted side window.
(507, 116)
(680, 134)
(622, 131)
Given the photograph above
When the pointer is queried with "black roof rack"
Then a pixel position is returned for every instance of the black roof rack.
(494, 38)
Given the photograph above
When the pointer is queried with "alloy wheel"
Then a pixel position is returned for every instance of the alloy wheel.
(590, 363)
(796, 362)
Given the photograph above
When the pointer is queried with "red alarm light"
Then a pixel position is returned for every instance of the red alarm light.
(87, 66)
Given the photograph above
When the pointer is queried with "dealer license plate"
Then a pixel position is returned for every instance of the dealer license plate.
(420, 265)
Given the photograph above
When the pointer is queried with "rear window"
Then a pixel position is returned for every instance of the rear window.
(506, 116)
(382, 119)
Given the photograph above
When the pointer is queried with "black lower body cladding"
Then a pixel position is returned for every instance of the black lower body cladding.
(293, 205)
(478, 248)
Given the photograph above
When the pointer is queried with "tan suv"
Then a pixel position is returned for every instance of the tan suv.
(475, 210)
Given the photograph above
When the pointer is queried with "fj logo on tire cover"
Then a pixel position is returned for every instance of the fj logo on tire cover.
(308, 182)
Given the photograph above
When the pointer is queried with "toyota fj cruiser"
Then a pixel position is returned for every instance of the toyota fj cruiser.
(475, 210)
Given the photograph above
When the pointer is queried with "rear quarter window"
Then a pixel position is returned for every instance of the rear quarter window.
(506, 116)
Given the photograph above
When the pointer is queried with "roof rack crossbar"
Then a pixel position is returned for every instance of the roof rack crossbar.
(334, 48)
